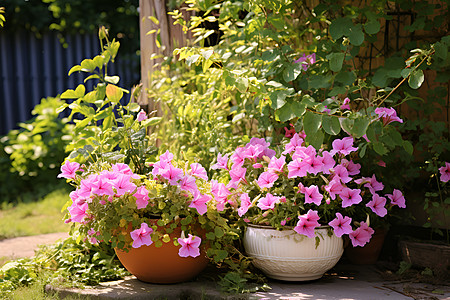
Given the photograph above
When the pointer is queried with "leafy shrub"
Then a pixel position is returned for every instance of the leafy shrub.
(31, 156)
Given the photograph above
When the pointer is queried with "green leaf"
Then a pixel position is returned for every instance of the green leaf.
(88, 65)
(360, 127)
(291, 72)
(372, 26)
(112, 79)
(416, 79)
(151, 121)
(207, 54)
(76, 68)
(113, 93)
(379, 148)
(278, 99)
(242, 84)
(315, 140)
(356, 35)
(218, 232)
(154, 20)
(408, 147)
(340, 27)
(331, 125)
(192, 59)
(74, 94)
(220, 255)
(311, 123)
(290, 111)
(347, 124)
(336, 60)
(441, 51)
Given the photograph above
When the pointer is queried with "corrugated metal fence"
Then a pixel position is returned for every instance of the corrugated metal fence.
(32, 69)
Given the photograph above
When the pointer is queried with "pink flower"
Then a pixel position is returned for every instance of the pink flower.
(141, 196)
(361, 235)
(341, 225)
(295, 142)
(266, 179)
(307, 223)
(350, 196)
(373, 185)
(253, 151)
(172, 174)
(296, 168)
(142, 236)
(199, 203)
(68, 170)
(343, 146)
(352, 168)
(123, 185)
(268, 202)
(188, 184)
(313, 164)
(312, 195)
(102, 187)
(189, 246)
(445, 172)
(166, 157)
(334, 187)
(222, 162)
(397, 198)
(198, 171)
(388, 115)
(381, 163)
(304, 152)
(238, 156)
(327, 162)
(276, 165)
(124, 169)
(141, 116)
(289, 132)
(245, 204)
(345, 105)
(306, 60)
(237, 173)
(340, 172)
(377, 205)
(78, 212)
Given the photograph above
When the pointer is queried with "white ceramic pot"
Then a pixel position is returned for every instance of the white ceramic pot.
(287, 255)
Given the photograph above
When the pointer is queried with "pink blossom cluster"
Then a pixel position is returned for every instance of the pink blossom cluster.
(445, 172)
(333, 171)
(306, 60)
(388, 115)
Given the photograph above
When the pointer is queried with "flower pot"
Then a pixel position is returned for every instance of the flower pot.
(367, 255)
(433, 255)
(162, 264)
(287, 255)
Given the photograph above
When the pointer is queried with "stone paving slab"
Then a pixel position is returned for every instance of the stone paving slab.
(345, 282)
(25, 246)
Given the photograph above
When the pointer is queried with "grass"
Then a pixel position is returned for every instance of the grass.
(33, 218)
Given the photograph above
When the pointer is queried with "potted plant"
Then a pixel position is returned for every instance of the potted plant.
(301, 196)
(126, 199)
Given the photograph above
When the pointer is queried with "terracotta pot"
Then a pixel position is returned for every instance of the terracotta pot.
(367, 255)
(162, 265)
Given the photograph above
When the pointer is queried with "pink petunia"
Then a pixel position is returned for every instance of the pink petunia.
(334, 187)
(199, 203)
(304, 152)
(142, 236)
(245, 204)
(445, 172)
(361, 235)
(253, 152)
(102, 187)
(327, 162)
(307, 223)
(397, 198)
(312, 195)
(142, 115)
(341, 225)
(188, 184)
(377, 205)
(237, 174)
(350, 196)
(172, 174)
(189, 246)
(124, 169)
(388, 115)
(345, 105)
(198, 171)
(68, 170)
(268, 202)
(266, 179)
(78, 212)
(343, 146)
(352, 168)
(141, 196)
(296, 168)
(306, 60)
(340, 172)
(123, 185)
(238, 156)
(222, 162)
(295, 141)
(276, 165)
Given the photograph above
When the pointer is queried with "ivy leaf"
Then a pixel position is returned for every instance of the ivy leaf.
(331, 125)
(311, 123)
(336, 60)
(416, 79)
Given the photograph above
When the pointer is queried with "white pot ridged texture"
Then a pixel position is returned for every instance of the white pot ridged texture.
(287, 255)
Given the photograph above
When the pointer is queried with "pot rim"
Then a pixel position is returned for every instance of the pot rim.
(269, 227)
